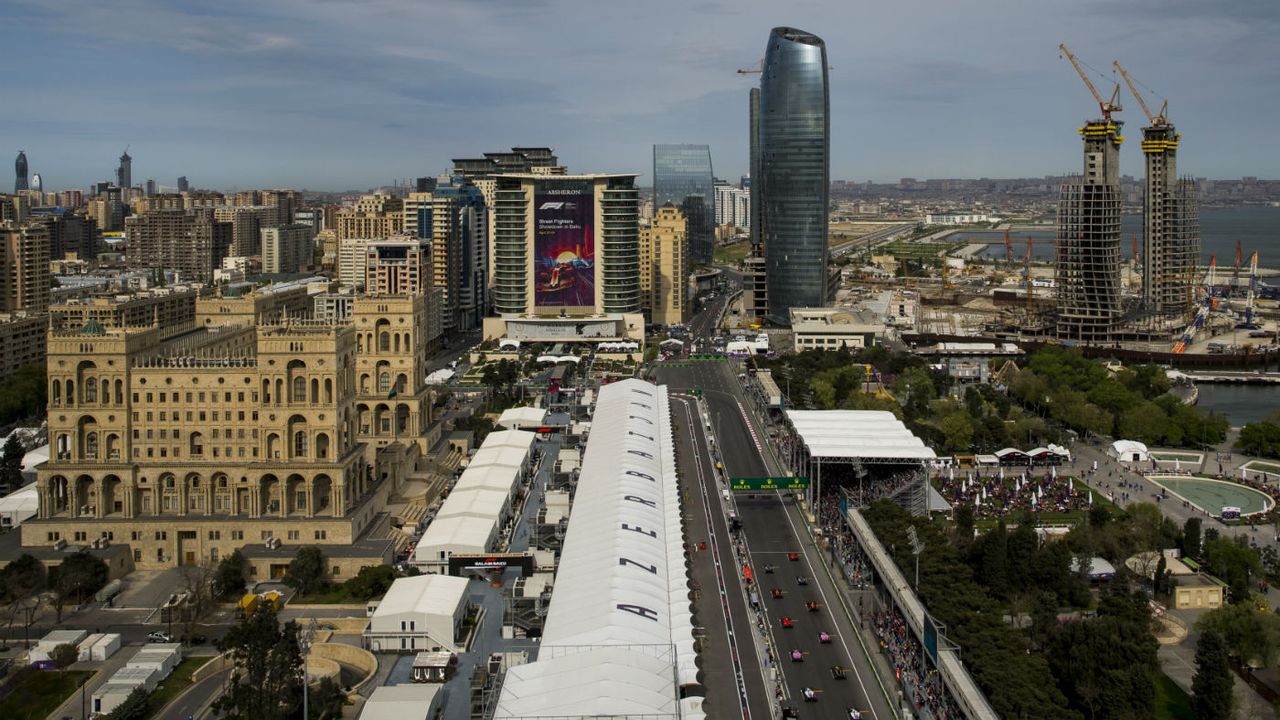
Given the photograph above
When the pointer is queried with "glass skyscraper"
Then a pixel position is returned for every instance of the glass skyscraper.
(682, 176)
(795, 153)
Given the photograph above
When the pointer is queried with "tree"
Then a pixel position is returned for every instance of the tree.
(197, 582)
(1211, 687)
(64, 655)
(1191, 538)
(25, 394)
(326, 701)
(11, 462)
(958, 430)
(76, 579)
(266, 674)
(1252, 635)
(134, 706)
(1260, 438)
(229, 580)
(371, 582)
(306, 570)
(21, 581)
(964, 524)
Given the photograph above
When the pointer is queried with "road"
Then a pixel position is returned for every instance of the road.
(771, 531)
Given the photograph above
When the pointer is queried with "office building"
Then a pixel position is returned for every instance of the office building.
(1087, 273)
(20, 173)
(150, 187)
(682, 176)
(397, 266)
(183, 185)
(665, 266)
(191, 242)
(25, 280)
(794, 174)
(566, 245)
(520, 160)
(37, 183)
(124, 172)
(1170, 224)
(287, 248)
(172, 309)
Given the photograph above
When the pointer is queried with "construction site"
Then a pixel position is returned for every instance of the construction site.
(1159, 301)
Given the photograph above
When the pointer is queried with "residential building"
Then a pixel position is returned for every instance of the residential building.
(124, 172)
(71, 234)
(397, 266)
(459, 253)
(287, 248)
(23, 336)
(682, 176)
(25, 279)
(373, 216)
(665, 267)
(353, 261)
(733, 206)
(794, 164)
(247, 223)
(191, 242)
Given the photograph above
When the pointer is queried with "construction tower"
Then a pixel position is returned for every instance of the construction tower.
(1170, 215)
(1088, 240)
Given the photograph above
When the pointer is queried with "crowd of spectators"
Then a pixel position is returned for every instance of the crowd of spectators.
(994, 496)
(923, 689)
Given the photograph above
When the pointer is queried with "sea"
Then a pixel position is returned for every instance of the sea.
(1240, 404)
(1256, 227)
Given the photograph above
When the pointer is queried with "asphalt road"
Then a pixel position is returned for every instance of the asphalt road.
(736, 684)
(771, 532)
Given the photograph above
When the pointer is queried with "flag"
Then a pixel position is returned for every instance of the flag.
(395, 390)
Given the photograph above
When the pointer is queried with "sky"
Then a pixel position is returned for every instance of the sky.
(336, 95)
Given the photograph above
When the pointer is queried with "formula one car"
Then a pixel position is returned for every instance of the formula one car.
(797, 656)
(838, 672)
(787, 624)
(809, 694)
(824, 638)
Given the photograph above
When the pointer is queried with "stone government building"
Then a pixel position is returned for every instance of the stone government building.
(259, 427)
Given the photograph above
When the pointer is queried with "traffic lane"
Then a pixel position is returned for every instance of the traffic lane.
(771, 539)
(196, 697)
(719, 676)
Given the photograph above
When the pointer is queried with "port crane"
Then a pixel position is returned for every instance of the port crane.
(1106, 106)
(1248, 323)
(1158, 120)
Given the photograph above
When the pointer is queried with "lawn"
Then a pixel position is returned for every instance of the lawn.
(1172, 702)
(40, 692)
(1262, 466)
(172, 686)
(733, 253)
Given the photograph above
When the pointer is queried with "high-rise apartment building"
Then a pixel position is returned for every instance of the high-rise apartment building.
(665, 266)
(566, 245)
(733, 206)
(1170, 224)
(287, 248)
(20, 173)
(373, 216)
(353, 261)
(191, 242)
(794, 177)
(1088, 268)
(397, 266)
(460, 252)
(25, 280)
(247, 222)
(682, 176)
(124, 172)
(71, 234)
(753, 130)
(23, 337)
(107, 209)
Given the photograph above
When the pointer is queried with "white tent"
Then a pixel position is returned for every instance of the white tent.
(522, 417)
(419, 613)
(857, 434)
(618, 636)
(1129, 451)
(19, 505)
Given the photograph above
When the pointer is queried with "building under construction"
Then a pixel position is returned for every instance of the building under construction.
(1088, 268)
(1170, 218)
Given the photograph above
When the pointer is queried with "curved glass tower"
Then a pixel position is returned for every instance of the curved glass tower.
(682, 176)
(20, 172)
(795, 151)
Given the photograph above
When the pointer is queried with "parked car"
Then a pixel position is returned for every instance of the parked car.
(159, 637)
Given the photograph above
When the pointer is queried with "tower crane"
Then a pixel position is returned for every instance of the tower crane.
(1235, 276)
(758, 69)
(1248, 323)
(1202, 315)
(1026, 269)
(1106, 106)
(1156, 120)
(1008, 248)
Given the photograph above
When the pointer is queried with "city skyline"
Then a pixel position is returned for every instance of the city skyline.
(336, 97)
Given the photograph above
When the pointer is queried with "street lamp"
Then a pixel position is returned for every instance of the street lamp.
(306, 639)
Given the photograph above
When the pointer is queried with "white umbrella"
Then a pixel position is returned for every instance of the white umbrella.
(1034, 502)
(1071, 486)
(951, 473)
(1177, 465)
(1053, 472)
(1002, 472)
(1090, 498)
(1095, 464)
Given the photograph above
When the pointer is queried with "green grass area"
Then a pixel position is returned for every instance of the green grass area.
(1172, 702)
(39, 692)
(1171, 455)
(733, 253)
(1262, 466)
(334, 594)
(172, 686)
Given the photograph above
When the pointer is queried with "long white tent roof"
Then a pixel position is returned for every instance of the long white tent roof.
(874, 434)
(618, 636)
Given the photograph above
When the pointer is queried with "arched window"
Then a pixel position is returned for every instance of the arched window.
(384, 341)
(196, 444)
(300, 443)
(113, 446)
(119, 392)
(273, 446)
(328, 390)
(91, 389)
(322, 446)
(299, 389)
(364, 384)
(57, 392)
(91, 445)
(384, 382)
(71, 391)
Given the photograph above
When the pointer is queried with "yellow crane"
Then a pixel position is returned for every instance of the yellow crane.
(1106, 106)
(1155, 120)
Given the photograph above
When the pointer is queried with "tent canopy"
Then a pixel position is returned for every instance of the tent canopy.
(869, 434)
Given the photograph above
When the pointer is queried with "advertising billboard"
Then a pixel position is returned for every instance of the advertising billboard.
(564, 245)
